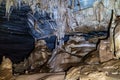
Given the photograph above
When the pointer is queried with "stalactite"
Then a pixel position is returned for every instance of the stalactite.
(9, 4)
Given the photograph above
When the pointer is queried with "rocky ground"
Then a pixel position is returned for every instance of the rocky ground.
(78, 59)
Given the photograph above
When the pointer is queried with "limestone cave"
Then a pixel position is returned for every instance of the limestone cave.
(59, 40)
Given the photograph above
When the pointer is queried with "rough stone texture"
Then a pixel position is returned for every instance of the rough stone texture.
(92, 58)
(86, 18)
(63, 61)
(97, 76)
(78, 46)
(104, 51)
(6, 69)
(73, 73)
(71, 53)
(95, 18)
(37, 58)
(106, 71)
(116, 38)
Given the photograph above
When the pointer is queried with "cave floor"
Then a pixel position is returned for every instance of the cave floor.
(109, 70)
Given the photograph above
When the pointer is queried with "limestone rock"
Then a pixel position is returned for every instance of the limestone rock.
(37, 58)
(104, 51)
(77, 45)
(97, 76)
(6, 69)
(73, 74)
(92, 57)
(63, 61)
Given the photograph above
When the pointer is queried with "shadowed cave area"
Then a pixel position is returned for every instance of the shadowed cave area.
(16, 41)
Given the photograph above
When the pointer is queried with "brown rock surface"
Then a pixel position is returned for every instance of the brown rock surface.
(6, 69)
(106, 71)
(104, 51)
(37, 58)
